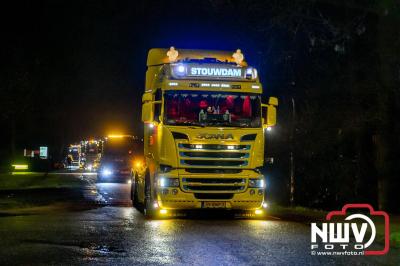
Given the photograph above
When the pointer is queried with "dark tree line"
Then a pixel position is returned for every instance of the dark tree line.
(336, 68)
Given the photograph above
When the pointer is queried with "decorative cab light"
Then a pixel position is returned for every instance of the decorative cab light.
(172, 54)
(238, 56)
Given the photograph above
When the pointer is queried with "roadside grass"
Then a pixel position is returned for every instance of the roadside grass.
(307, 216)
(32, 193)
(31, 180)
(297, 213)
(394, 222)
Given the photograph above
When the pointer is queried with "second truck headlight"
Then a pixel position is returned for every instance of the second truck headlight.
(257, 183)
(168, 182)
(106, 172)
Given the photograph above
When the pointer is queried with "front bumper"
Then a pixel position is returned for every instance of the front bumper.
(179, 198)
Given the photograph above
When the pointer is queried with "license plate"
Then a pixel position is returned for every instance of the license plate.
(214, 204)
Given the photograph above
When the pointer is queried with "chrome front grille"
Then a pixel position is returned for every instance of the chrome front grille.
(214, 146)
(212, 184)
(234, 155)
(214, 155)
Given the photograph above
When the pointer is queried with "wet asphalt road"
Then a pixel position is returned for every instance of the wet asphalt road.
(117, 234)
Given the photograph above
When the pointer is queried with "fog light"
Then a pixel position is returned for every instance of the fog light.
(174, 191)
(260, 192)
(252, 192)
(258, 212)
(163, 211)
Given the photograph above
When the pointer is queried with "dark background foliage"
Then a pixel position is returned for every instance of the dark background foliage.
(75, 69)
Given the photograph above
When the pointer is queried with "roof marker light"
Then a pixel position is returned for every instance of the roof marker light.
(181, 69)
(255, 86)
(114, 136)
(173, 84)
(238, 57)
(172, 54)
(215, 85)
(205, 85)
(225, 85)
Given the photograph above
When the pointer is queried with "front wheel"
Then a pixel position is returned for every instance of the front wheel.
(134, 193)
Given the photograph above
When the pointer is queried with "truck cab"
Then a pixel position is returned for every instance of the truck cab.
(203, 133)
(117, 158)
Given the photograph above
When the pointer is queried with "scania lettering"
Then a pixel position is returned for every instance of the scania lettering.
(214, 136)
(203, 134)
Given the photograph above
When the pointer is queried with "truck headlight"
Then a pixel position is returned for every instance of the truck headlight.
(168, 182)
(106, 172)
(257, 182)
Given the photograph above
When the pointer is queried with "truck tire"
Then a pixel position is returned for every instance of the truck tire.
(148, 209)
(134, 193)
(132, 189)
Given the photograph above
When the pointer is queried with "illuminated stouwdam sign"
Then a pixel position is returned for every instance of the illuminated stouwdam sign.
(221, 72)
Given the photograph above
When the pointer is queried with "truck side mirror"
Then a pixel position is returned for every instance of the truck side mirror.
(147, 97)
(273, 101)
(149, 108)
(147, 112)
(270, 115)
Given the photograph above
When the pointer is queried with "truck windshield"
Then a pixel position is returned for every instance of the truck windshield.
(206, 108)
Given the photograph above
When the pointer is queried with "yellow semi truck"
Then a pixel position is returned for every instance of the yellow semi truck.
(203, 133)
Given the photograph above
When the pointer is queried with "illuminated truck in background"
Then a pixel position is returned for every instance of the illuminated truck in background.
(74, 156)
(116, 159)
(91, 153)
(203, 133)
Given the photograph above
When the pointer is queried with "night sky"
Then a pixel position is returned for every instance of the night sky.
(89, 58)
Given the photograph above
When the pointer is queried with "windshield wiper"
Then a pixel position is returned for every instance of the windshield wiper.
(189, 124)
(230, 125)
